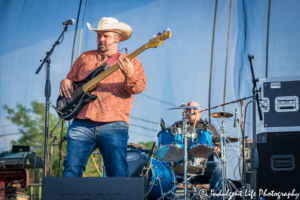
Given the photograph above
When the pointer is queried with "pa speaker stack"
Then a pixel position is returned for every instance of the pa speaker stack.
(278, 141)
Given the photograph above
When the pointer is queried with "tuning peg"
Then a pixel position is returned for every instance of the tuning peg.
(154, 35)
(168, 29)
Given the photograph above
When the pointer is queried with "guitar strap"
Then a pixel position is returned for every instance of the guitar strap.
(111, 61)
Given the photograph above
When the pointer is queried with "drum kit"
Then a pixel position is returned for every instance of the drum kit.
(180, 154)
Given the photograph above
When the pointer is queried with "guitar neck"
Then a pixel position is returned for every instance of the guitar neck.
(92, 83)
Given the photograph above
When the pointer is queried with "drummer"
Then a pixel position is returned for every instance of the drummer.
(213, 170)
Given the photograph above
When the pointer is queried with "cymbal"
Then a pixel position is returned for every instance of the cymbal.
(138, 147)
(231, 139)
(182, 107)
(221, 115)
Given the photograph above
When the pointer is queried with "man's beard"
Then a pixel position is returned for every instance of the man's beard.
(102, 49)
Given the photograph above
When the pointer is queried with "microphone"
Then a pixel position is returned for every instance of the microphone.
(235, 116)
(69, 22)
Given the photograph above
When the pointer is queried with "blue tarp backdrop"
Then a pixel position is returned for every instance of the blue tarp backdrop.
(205, 60)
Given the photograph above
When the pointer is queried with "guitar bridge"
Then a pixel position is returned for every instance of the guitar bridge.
(56, 109)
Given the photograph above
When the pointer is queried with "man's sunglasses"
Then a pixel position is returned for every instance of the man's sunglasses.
(195, 108)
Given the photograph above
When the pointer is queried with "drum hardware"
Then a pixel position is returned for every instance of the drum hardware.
(147, 162)
(183, 106)
(224, 184)
(193, 134)
(163, 124)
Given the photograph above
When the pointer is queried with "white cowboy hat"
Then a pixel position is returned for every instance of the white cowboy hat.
(112, 24)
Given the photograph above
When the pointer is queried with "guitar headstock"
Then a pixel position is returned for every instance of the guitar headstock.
(156, 41)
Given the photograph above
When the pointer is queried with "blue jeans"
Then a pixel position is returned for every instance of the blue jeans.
(213, 172)
(84, 136)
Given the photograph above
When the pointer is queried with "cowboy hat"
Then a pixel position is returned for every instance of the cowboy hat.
(112, 24)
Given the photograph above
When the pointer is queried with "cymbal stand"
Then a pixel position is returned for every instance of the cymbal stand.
(224, 183)
(185, 135)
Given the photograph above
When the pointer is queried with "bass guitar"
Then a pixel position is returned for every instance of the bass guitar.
(68, 108)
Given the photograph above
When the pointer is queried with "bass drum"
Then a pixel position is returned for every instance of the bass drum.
(160, 175)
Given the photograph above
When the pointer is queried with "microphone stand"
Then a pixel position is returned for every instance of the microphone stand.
(254, 157)
(60, 154)
(48, 94)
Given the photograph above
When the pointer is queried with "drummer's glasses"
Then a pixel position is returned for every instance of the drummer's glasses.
(194, 108)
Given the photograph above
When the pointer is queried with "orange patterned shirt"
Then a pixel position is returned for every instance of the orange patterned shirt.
(114, 93)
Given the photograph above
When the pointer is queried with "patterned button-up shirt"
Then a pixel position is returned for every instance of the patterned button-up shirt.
(114, 93)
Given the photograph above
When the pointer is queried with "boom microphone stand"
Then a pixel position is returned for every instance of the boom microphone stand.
(254, 157)
(48, 94)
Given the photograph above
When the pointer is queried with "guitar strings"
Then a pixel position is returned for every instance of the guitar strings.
(74, 95)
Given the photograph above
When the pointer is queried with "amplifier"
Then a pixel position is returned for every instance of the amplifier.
(279, 163)
(279, 102)
(248, 149)
(91, 188)
(20, 160)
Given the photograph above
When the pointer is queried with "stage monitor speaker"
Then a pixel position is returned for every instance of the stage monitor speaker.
(279, 163)
(91, 188)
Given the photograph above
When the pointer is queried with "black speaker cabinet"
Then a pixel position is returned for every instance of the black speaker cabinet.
(115, 188)
(279, 163)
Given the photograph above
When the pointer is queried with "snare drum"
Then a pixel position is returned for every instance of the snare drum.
(195, 167)
(202, 146)
(170, 145)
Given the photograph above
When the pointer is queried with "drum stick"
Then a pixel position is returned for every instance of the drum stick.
(196, 117)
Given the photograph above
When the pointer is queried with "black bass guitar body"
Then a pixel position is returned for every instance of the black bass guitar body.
(68, 108)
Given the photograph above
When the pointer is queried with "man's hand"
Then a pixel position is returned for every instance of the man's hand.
(126, 67)
(66, 88)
